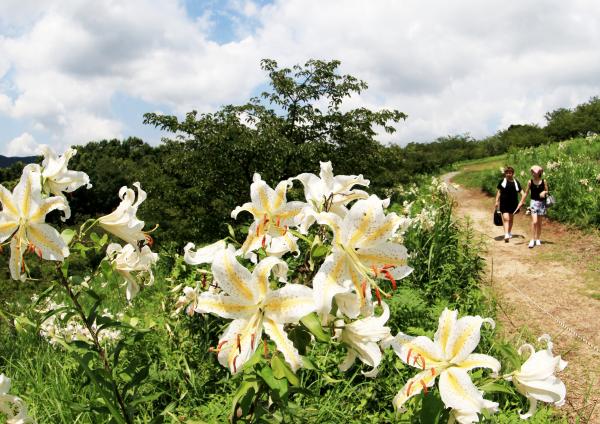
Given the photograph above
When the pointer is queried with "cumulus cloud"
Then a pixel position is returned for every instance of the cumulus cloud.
(453, 67)
(23, 145)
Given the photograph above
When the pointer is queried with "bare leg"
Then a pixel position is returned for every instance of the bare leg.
(507, 222)
(539, 228)
(534, 226)
(511, 218)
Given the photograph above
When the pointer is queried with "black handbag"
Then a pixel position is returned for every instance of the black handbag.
(497, 218)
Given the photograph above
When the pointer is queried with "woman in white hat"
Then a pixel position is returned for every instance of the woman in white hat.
(539, 191)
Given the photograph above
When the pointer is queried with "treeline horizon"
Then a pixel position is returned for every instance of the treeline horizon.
(196, 178)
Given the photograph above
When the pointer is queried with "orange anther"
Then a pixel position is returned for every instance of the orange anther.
(424, 386)
(388, 275)
(378, 295)
(149, 239)
(239, 343)
(265, 348)
(433, 372)
(409, 388)
(234, 366)
(374, 269)
(363, 287)
(264, 241)
(252, 337)
(204, 281)
(278, 221)
(408, 356)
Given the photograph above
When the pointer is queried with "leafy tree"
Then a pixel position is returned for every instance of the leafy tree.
(285, 131)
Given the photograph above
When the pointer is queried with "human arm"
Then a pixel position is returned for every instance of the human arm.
(544, 193)
(524, 195)
(497, 204)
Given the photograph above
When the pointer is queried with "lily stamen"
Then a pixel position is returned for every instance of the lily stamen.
(239, 343)
(378, 296)
(424, 386)
(388, 275)
(409, 388)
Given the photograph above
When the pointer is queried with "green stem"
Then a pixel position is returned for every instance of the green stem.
(101, 352)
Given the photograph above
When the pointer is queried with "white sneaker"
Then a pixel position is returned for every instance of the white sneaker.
(538, 242)
(531, 244)
(509, 235)
(506, 237)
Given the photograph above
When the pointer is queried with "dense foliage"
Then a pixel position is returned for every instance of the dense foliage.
(572, 169)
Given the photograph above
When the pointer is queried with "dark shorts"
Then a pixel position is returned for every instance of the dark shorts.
(508, 205)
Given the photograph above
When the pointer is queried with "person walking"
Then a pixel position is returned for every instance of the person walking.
(539, 191)
(507, 198)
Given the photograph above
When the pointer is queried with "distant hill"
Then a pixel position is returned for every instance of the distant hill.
(6, 161)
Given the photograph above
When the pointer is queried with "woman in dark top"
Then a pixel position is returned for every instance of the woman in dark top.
(539, 191)
(507, 199)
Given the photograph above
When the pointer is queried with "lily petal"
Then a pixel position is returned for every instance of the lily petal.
(233, 278)
(413, 387)
(48, 241)
(203, 255)
(261, 273)
(458, 391)
(224, 306)
(284, 345)
(478, 360)
(464, 338)
(289, 303)
(446, 324)
(239, 342)
(16, 259)
(329, 281)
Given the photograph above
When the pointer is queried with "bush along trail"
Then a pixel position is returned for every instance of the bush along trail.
(553, 288)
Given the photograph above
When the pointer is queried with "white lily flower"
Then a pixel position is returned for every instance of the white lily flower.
(12, 406)
(57, 179)
(361, 253)
(273, 215)
(22, 218)
(362, 337)
(203, 255)
(449, 356)
(248, 299)
(536, 380)
(189, 300)
(133, 265)
(328, 193)
(123, 222)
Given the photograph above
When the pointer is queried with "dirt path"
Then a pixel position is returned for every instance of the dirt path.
(547, 289)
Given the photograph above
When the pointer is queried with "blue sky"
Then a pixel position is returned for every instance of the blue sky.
(72, 71)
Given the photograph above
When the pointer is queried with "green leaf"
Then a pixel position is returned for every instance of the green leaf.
(67, 235)
(301, 338)
(320, 251)
(278, 386)
(116, 413)
(281, 369)
(495, 387)
(432, 409)
(243, 399)
(313, 324)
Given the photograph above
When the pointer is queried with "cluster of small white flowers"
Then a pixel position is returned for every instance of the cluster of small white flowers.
(438, 185)
(598, 178)
(552, 166)
(426, 218)
(54, 329)
(591, 136)
(584, 182)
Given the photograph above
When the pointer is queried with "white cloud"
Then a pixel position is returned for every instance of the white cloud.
(23, 145)
(453, 67)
